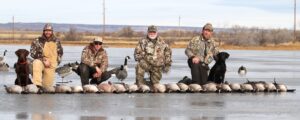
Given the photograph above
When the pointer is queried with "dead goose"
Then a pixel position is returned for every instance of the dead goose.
(144, 88)
(131, 88)
(63, 89)
(224, 87)
(183, 87)
(210, 87)
(280, 87)
(31, 88)
(270, 87)
(172, 87)
(242, 71)
(14, 89)
(258, 86)
(105, 87)
(235, 86)
(77, 89)
(90, 89)
(121, 72)
(195, 88)
(159, 88)
(49, 90)
(119, 88)
(245, 87)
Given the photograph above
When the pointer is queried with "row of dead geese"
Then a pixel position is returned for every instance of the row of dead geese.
(249, 86)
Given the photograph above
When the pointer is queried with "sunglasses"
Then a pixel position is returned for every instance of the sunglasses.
(98, 43)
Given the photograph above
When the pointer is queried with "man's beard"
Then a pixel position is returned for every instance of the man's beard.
(152, 37)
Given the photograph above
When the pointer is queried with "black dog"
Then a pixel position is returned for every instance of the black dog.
(217, 72)
(22, 68)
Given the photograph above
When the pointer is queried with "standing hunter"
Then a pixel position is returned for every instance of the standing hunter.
(46, 52)
(200, 52)
(153, 56)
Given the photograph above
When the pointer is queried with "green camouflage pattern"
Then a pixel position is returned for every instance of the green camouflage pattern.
(196, 48)
(153, 57)
(156, 52)
(37, 46)
(155, 73)
(94, 58)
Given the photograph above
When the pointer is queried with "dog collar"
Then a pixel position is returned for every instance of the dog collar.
(23, 62)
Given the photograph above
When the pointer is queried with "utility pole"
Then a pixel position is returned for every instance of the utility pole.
(103, 25)
(13, 28)
(295, 5)
(179, 26)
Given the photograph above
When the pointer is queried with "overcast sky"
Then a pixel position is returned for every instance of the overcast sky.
(221, 13)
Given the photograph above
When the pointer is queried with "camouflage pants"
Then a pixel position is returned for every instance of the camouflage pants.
(142, 67)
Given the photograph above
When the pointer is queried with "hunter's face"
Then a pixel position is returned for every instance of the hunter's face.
(48, 33)
(98, 45)
(207, 34)
(152, 35)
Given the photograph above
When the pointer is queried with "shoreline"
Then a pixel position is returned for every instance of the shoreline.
(132, 44)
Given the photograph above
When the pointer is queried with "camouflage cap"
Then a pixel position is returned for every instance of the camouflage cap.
(152, 28)
(48, 27)
(98, 39)
(208, 26)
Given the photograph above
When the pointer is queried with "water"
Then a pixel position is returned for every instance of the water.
(261, 65)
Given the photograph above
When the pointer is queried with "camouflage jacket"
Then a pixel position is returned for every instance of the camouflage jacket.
(196, 48)
(156, 53)
(94, 58)
(37, 46)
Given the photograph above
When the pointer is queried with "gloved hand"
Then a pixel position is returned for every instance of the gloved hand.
(166, 68)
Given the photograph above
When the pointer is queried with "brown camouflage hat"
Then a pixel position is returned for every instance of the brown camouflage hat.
(48, 27)
(208, 26)
(152, 28)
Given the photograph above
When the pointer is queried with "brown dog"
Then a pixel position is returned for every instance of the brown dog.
(22, 68)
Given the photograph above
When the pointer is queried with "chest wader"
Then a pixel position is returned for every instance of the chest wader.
(199, 71)
(43, 76)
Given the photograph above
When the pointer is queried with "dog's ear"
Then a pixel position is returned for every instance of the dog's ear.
(216, 57)
(18, 52)
(227, 55)
(26, 53)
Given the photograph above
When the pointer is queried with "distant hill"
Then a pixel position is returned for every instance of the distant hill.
(86, 27)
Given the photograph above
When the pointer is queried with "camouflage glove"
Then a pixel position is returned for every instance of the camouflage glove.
(166, 68)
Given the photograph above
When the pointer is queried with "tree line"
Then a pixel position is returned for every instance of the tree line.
(236, 35)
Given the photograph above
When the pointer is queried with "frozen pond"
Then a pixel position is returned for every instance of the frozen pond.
(261, 65)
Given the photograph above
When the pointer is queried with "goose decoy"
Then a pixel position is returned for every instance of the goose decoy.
(66, 70)
(2, 58)
(242, 71)
(3, 65)
(121, 72)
